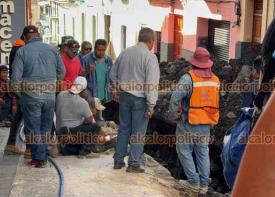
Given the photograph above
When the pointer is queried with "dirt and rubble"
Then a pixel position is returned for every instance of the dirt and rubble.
(232, 72)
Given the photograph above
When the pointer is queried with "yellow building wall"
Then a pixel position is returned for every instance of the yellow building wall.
(246, 21)
(247, 18)
(268, 8)
(270, 11)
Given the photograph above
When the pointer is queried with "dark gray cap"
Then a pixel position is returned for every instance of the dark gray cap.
(66, 39)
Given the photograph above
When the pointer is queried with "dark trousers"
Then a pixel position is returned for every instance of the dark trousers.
(14, 126)
(79, 148)
(5, 111)
(111, 113)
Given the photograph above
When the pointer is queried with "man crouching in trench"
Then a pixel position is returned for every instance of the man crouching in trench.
(75, 123)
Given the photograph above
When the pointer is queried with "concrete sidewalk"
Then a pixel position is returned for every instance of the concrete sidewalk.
(94, 177)
(8, 165)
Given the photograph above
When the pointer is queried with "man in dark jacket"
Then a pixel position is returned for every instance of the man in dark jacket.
(7, 101)
(16, 45)
(11, 148)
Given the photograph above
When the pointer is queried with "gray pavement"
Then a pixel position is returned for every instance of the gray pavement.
(93, 177)
(83, 177)
(8, 165)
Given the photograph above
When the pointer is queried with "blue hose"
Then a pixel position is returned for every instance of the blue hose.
(60, 174)
(61, 177)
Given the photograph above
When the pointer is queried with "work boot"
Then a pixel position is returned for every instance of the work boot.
(190, 189)
(13, 150)
(27, 154)
(203, 189)
(119, 165)
(135, 169)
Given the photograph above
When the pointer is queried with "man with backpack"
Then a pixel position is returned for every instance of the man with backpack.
(195, 105)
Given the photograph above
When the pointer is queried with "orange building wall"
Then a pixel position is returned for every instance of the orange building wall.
(167, 30)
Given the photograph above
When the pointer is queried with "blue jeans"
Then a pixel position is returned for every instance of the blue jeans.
(247, 99)
(185, 149)
(132, 123)
(38, 120)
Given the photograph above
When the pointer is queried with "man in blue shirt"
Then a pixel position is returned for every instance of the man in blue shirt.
(97, 66)
(36, 68)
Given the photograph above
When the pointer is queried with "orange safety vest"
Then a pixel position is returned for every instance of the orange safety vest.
(204, 101)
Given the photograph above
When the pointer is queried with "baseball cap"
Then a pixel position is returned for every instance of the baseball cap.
(96, 103)
(29, 29)
(79, 84)
(72, 43)
(3, 68)
(65, 40)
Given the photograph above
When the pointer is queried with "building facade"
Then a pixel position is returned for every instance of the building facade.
(119, 22)
(256, 16)
(14, 15)
(227, 28)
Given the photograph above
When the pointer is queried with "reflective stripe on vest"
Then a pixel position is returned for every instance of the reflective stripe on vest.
(206, 84)
(204, 101)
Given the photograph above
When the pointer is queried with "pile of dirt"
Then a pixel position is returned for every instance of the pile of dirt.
(170, 74)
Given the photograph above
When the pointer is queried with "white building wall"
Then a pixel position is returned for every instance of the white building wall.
(137, 14)
(76, 13)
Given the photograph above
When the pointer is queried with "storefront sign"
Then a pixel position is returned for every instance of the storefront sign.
(12, 22)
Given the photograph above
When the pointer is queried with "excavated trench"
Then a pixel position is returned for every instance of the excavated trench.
(166, 154)
(235, 71)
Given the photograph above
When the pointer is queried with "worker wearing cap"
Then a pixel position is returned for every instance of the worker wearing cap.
(63, 45)
(195, 103)
(36, 68)
(72, 63)
(77, 118)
